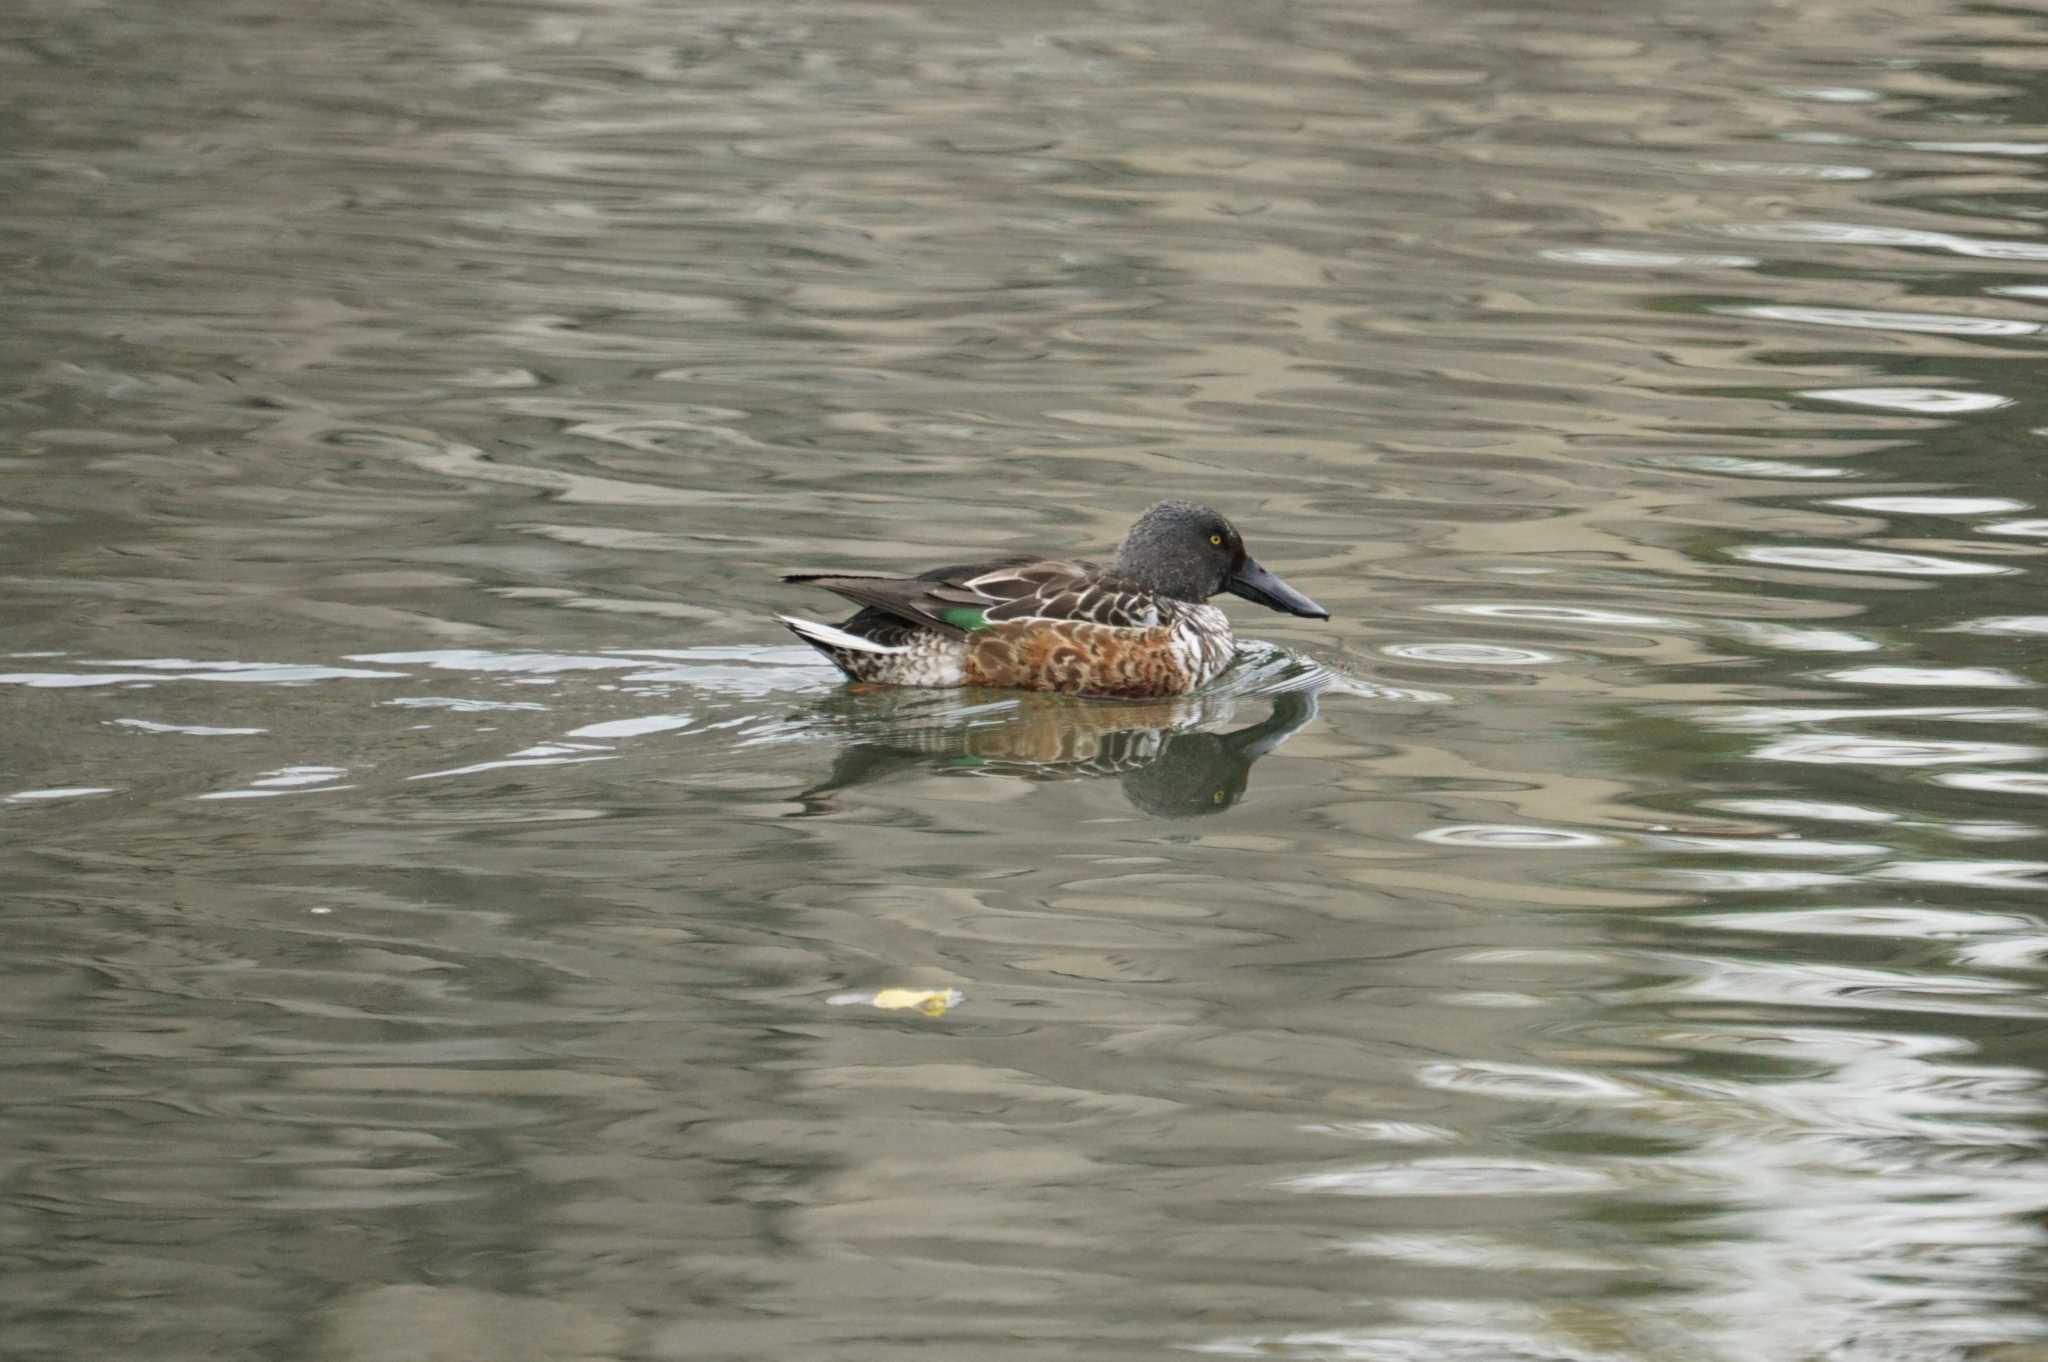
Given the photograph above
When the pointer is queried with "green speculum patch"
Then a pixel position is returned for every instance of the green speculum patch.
(965, 617)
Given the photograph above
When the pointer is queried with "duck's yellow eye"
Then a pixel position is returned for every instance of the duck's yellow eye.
(1216, 539)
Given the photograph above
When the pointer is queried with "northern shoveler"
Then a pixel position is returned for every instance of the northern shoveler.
(1138, 627)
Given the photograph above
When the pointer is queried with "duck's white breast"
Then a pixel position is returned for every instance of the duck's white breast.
(1202, 642)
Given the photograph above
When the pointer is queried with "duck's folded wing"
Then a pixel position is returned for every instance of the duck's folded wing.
(945, 598)
(957, 601)
(1066, 592)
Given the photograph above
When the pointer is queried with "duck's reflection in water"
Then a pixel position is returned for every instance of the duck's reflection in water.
(1165, 754)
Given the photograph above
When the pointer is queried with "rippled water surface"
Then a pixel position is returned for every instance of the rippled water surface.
(446, 917)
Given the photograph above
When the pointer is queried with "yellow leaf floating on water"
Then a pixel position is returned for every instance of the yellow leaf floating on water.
(933, 1002)
(930, 1001)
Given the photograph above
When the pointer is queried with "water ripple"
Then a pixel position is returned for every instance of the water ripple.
(1469, 654)
(2020, 625)
(1959, 678)
(1997, 782)
(1932, 505)
(1930, 323)
(1829, 750)
(464, 975)
(1832, 558)
(1453, 1177)
(1525, 1082)
(1515, 838)
(1921, 401)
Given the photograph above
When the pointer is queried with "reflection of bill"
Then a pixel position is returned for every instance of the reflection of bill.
(1169, 766)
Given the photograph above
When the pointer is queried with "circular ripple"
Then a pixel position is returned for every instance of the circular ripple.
(1500, 836)
(1469, 654)
(1555, 614)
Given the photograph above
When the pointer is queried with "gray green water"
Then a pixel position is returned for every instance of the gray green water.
(442, 915)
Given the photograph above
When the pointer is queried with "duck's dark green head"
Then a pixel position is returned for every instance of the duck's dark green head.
(1187, 551)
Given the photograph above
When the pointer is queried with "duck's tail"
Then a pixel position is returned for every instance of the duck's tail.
(831, 640)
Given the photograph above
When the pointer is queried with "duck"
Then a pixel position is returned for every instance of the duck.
(1138, 627)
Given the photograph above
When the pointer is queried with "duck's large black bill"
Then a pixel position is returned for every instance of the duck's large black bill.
(1254, 583)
